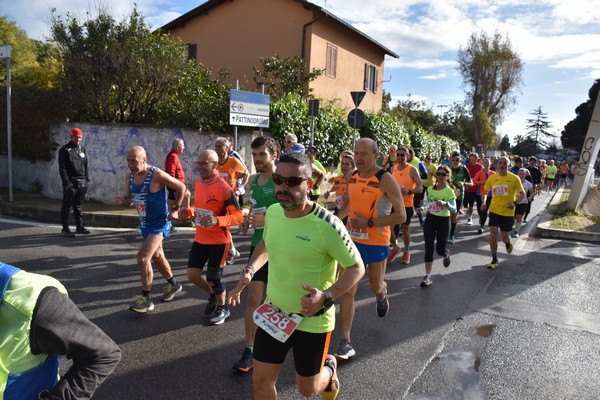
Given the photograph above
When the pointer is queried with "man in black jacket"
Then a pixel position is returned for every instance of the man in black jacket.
(73, 168)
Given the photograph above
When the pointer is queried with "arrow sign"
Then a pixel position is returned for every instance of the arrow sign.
(357, 97)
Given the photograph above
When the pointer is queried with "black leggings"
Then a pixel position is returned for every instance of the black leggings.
(435, 229)
(483, 214)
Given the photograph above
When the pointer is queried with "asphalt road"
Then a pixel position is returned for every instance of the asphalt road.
(528, 330)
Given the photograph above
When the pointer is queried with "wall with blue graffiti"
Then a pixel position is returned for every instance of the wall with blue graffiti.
(107, 147)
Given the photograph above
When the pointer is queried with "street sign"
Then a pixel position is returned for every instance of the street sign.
(249, 109)
(5, 51)
(356, 118)
(357, 97)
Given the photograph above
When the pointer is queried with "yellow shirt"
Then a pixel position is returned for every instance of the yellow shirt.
(504, 190)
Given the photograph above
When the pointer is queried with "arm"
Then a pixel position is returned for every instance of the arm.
(63, 159)
(258, 259)
(318, 176)
(87, 170)
(125, 200)
(58, 326)
(160, 179)
(390, 187)
(418, 181)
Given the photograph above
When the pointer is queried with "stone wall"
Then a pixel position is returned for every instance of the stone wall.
(107, 147)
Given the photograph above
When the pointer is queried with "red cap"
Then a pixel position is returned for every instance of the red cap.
(76, 132)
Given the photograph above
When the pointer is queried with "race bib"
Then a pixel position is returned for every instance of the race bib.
(434, 208)
(140, 207)
(500, 190)
(198, 213)
(357, 233)
(260, 212)
(277, 323)
(339, 202)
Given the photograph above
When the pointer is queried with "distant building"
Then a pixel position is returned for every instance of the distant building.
(234, 34)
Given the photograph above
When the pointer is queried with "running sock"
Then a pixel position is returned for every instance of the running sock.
(406, 248)
(146, 294)
(518, 226)
(452, 229)
(250, 347)
(172, 281)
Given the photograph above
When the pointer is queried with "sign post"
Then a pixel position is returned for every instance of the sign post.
(313, 111)
(356, 118)
(249, 109)
(5, 52)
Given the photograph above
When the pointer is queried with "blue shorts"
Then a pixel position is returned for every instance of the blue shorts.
(165, 230)
(372, 253)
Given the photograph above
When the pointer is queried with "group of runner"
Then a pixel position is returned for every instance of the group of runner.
(302, 257)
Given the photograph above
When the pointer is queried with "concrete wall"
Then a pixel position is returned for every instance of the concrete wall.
(107, 147)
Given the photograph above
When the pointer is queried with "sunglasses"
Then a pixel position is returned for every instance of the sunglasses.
(289, 141)
(455, 160)
(289, 181)
(441, 174)
(401, 154)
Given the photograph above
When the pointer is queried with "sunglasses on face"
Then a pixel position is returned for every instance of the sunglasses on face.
(401, 154)
(441, 174)
(289, 141)
(289, 181)
(455, 160)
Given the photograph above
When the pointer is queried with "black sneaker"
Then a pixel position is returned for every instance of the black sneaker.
(383, 307)
(83, 230)
(345, 350)
(211, 306)
(220, 315)
(245, 363)
(447, 259)
(67, 233)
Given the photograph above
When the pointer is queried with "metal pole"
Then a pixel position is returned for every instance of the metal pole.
(235, 128)
(312, 130)
(8, 131)
(354, 134)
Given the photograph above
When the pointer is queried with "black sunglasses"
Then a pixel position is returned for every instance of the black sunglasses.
(289, 141)
(441, 174)
(289, 181)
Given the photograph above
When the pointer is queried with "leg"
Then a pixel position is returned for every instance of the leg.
(66, 207)
(347, 311)
(256, 292)
(144, 259)
(195, 276)
(376, 279)
(264, 379)
(494, 240)
(78, 199)
(161, 262)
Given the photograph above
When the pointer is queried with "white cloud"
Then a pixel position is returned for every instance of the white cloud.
(439, 75)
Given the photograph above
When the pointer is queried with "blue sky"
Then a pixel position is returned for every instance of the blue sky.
(558, 41)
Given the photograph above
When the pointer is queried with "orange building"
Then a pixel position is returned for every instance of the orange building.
(235, 34)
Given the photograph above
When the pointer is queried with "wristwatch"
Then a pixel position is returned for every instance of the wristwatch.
(370, 223)
(328, 299)
(175, 207)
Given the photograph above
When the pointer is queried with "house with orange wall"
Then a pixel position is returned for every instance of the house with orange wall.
(235, 34)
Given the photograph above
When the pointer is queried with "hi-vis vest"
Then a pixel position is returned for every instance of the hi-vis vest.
(22, 374)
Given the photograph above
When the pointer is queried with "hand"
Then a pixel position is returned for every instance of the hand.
(243, 227)
(313, 301)
(233, 297)
(174, 214)
(359, 221)
(511, 205)
(257, 220)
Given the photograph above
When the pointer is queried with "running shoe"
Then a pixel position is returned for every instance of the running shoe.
(170, 291)
(470, 221)
(515, 234)
(405, 258)
(345, 350)
(67, 233)
(393, 254)
(211, 306)
(82, 230)
(383, 306)
(426, 281)
(245, 363)
(332, 389)
(509, 247)
(452, 240)
(447, 259)
(480, 230)
(142, 305)
(220, 315)
(493, 264)
(232, 255)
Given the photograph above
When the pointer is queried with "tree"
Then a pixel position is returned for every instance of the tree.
(504, 144)
(574, 133)
(524, 146)
(115, 72)
(283, 76)
(537, 128)
(491, 73)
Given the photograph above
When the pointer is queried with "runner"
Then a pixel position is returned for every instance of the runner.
(215, 209)
(471, 195)
(460, 179)
(262, 195)
(506, 190)
(409, 181)
(340, 183)
(145, 187)
(440, 204)
(302, 242)
(521, 208)
(372, 192)
(479, 180)
(551, 172)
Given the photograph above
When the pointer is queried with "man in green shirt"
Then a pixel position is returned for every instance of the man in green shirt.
(302, 242)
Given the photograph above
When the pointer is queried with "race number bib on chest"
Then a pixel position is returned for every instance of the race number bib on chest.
(435, 208)
(279, 324)
(140, 207)
(500, 190)
(198, 213)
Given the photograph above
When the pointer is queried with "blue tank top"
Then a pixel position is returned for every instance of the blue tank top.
(151, 207)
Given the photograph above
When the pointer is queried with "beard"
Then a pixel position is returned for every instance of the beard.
(294, 200)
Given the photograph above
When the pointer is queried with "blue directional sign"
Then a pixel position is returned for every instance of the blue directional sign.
(249, 108)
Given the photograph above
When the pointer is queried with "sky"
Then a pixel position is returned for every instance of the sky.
(558, 42)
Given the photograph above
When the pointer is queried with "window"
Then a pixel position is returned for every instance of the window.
(370, 78)
(331, 61)
(191, 51)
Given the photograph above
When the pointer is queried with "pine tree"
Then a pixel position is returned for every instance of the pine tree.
(538, 128)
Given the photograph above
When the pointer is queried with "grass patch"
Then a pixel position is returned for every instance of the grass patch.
(564, 217)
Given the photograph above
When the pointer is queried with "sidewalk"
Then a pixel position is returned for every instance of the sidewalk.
(39, 208)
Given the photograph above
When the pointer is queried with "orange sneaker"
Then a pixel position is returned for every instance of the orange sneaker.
(405, 258)
(393, 254)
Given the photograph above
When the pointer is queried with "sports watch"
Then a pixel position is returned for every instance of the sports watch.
(328, 299)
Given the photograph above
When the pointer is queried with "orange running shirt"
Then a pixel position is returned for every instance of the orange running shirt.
(369, 201)
(230, 169)
(405, 181)
(340, 186)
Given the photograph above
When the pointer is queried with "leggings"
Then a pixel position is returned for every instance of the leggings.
(435, 229)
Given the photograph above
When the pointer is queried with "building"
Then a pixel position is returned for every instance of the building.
(235, 34)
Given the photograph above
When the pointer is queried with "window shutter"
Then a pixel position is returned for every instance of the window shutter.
(191, 48)
(375, 80)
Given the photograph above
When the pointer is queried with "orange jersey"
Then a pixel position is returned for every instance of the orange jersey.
(230, 171)
(340, 186)
(369, 201)
(218, 199)
(405, 181)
